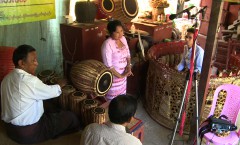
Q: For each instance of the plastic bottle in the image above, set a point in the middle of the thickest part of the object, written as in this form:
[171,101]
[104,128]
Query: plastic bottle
[133,29]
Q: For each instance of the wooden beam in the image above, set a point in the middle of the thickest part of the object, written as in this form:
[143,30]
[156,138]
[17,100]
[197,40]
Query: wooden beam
[207,61]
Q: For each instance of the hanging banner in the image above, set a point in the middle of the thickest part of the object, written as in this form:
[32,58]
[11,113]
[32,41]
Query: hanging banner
[22,11]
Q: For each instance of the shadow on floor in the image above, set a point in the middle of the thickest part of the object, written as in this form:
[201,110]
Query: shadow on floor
[155,134]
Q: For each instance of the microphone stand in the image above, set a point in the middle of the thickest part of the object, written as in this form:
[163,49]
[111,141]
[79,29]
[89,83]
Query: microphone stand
[187,88]
[173,16]
[189,14]
[197,114]
[188,79]
[180,110]
[202,11]
[195,25]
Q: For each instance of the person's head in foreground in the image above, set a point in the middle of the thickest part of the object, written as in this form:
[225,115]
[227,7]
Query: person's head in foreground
[122,109]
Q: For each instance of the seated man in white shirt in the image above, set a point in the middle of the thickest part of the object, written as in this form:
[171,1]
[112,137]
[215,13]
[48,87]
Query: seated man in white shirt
[199,54]
[22,95]
[121,111]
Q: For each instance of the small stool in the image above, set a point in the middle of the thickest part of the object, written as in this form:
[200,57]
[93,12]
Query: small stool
[136,128]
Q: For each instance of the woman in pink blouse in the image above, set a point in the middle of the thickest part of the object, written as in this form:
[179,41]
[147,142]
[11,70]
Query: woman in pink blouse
[116,57]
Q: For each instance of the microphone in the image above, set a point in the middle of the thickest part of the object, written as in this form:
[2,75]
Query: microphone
[187,10]
[195,25]
[203,11]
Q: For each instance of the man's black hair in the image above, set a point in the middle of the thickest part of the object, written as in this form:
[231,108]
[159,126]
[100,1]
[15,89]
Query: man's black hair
[122,109]
[21,52]
[191,30]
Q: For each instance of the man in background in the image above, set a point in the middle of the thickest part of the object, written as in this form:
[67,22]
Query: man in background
[199,53]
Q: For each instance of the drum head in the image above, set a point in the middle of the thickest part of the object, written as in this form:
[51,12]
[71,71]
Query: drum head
[89,102]
[54,80]
[107,6]
[78,93]
[99,110]
[130,8]
[67,87]
[104,83]
[46,73]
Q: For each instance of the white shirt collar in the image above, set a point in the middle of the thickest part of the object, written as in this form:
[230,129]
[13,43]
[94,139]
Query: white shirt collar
[116,126]
[21,71]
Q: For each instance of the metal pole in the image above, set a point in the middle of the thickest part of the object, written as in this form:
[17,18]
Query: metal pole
[180,110]
[197,117]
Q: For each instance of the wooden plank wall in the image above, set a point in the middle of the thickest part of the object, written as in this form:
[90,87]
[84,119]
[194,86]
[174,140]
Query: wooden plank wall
[205,22]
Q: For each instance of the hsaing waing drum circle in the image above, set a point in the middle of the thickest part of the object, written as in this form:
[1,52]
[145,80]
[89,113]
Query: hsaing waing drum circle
[98,115]
[123,10]
[86,110]
[54,80]
[46,75]
[76,99]
[91,77]
[64,97]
